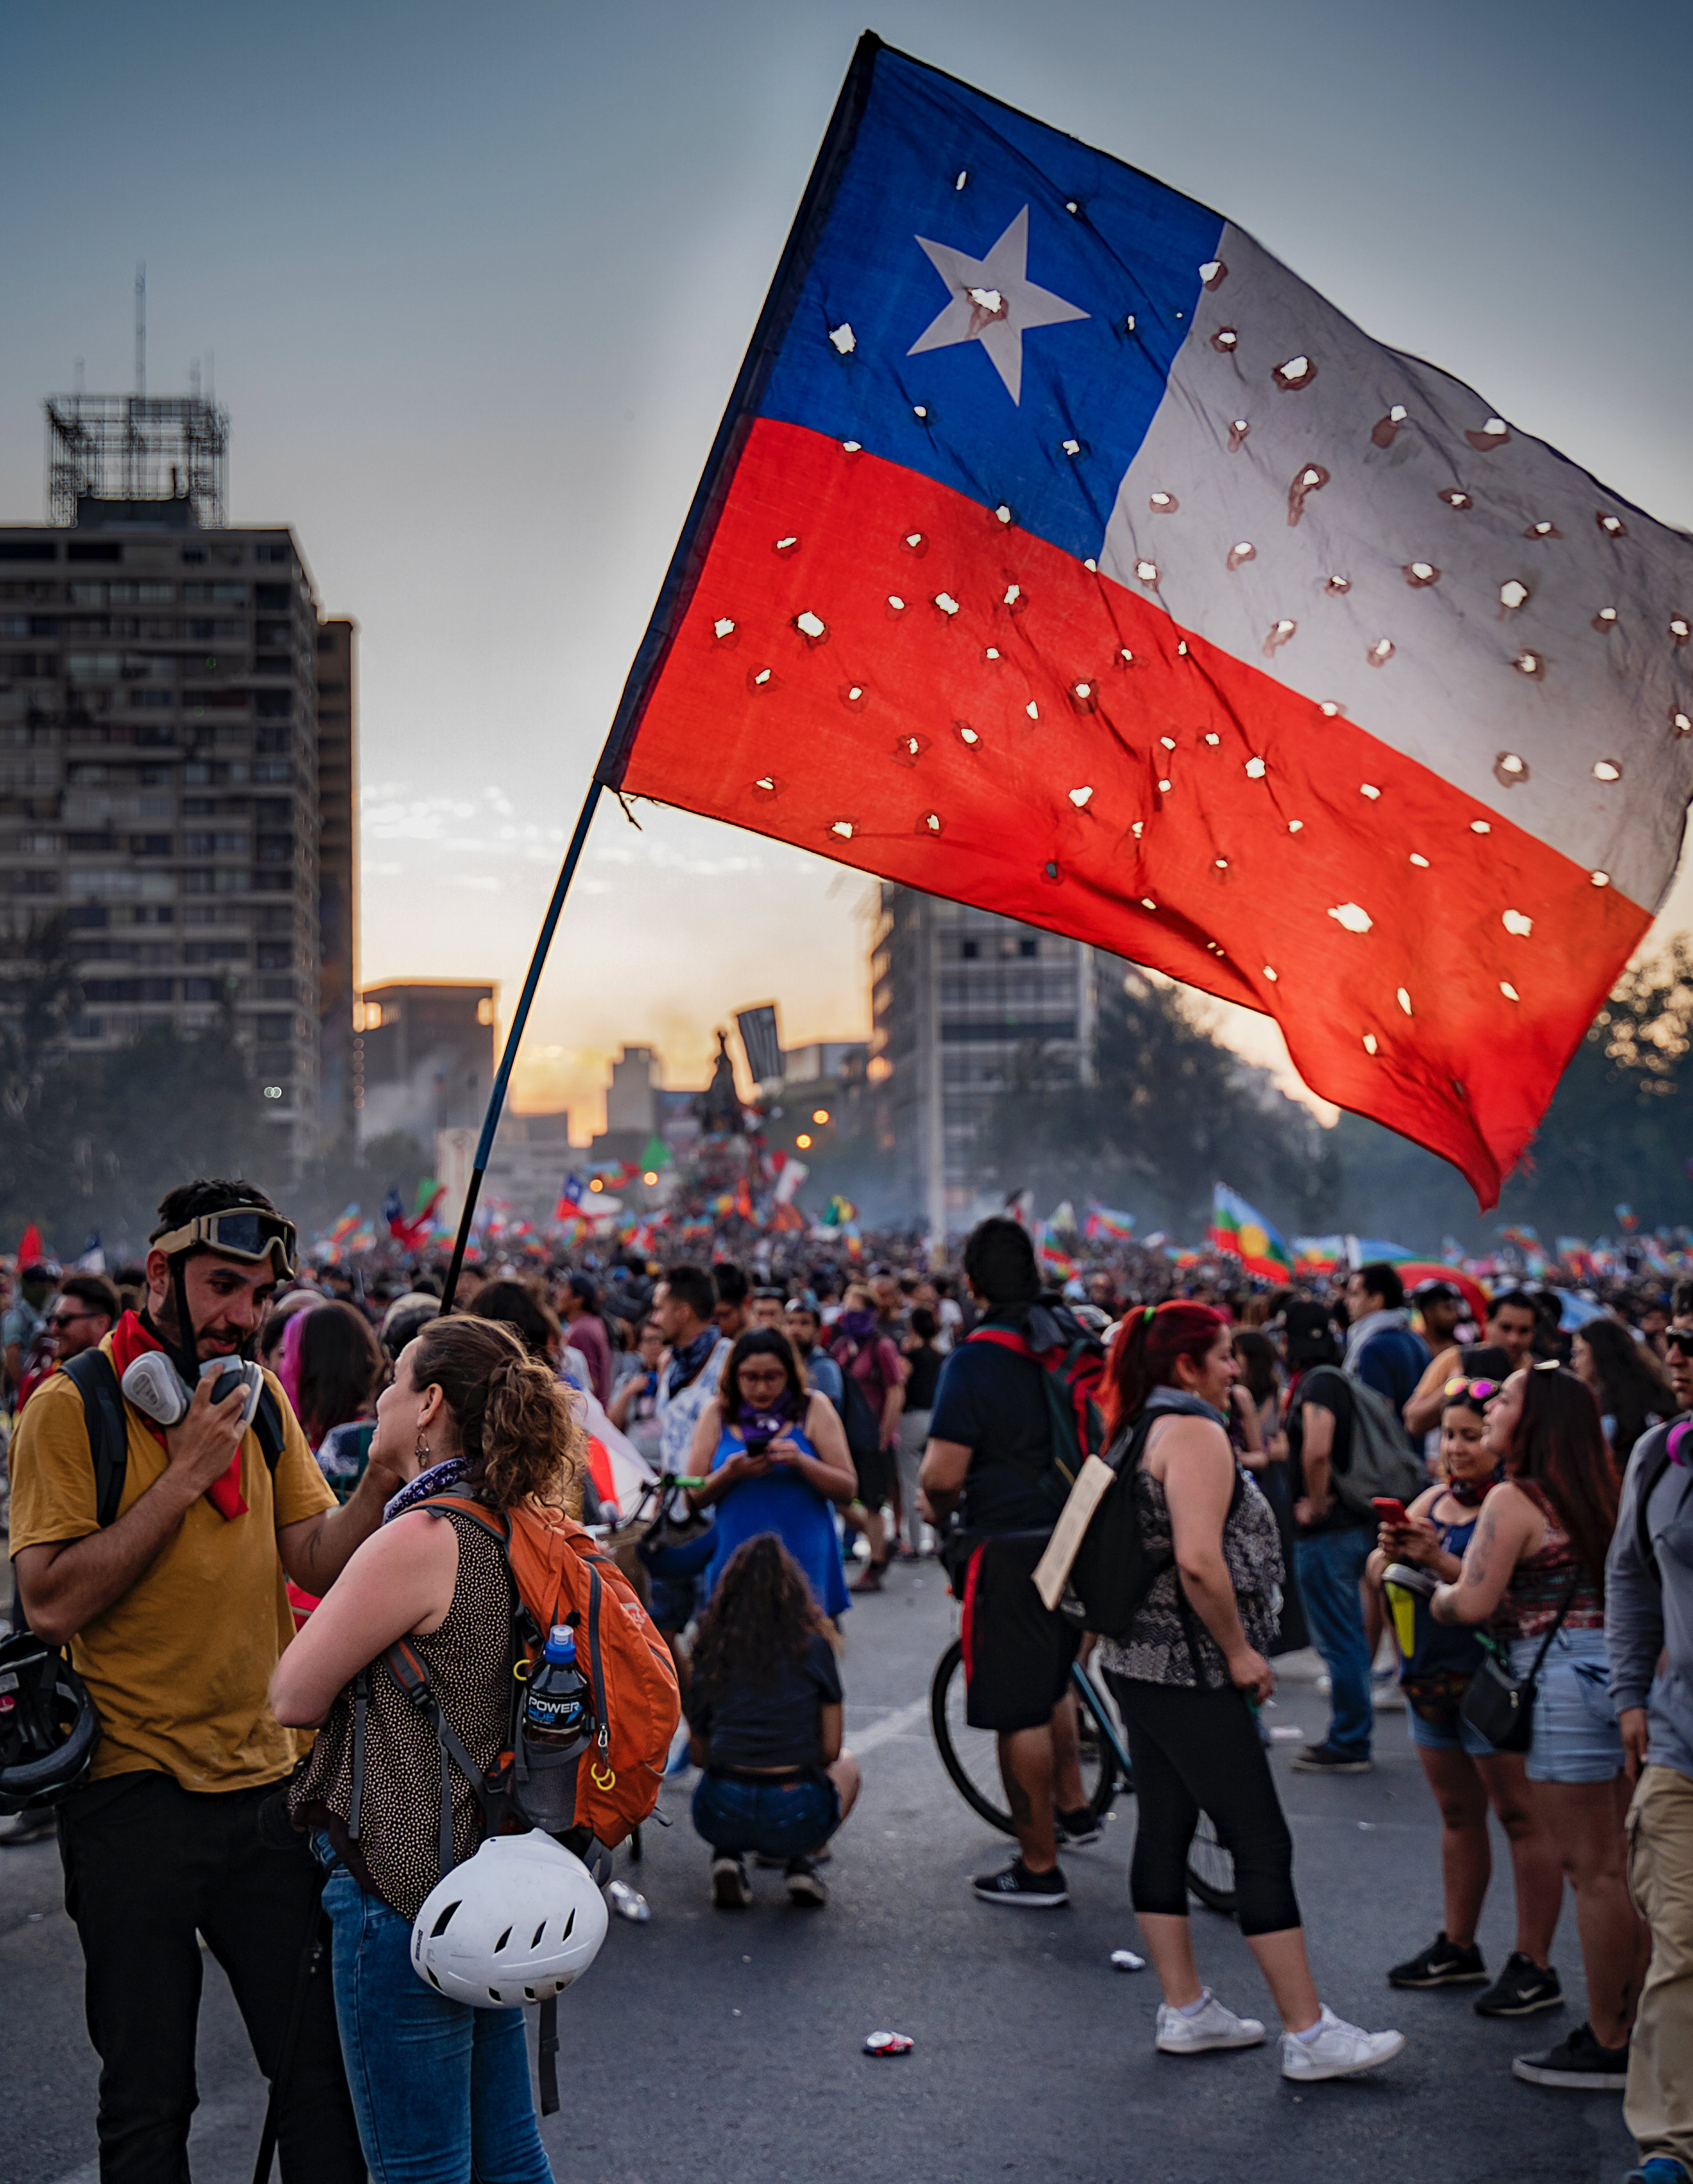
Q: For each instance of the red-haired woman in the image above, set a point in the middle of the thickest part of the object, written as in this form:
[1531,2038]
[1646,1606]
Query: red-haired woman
[1535,1570]
[1188,1674]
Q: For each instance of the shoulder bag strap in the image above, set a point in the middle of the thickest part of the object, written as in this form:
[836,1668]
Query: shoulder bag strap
[96,1380]
[1556,1625]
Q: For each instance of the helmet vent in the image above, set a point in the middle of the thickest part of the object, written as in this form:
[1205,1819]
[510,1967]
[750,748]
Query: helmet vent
[535,1938]
[443,1922]
[530,1995]
[494,1995]
[569,1923]
[502,1941]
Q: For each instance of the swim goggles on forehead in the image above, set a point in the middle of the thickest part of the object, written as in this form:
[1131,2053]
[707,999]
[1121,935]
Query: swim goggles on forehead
[241,1231]
[1476,1391]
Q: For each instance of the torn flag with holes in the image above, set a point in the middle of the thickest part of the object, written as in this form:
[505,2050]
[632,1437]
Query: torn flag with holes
[1064,554]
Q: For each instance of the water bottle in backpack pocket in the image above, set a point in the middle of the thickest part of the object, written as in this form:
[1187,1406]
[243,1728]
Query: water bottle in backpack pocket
[555,1728]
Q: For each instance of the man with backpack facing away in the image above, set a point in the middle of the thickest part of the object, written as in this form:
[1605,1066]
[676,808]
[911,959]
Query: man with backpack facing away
[991,1457]
[1345,1442]
[1648,1638]
[158,1555]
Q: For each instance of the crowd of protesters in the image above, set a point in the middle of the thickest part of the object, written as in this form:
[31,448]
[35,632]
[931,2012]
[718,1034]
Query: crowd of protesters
[805,1419]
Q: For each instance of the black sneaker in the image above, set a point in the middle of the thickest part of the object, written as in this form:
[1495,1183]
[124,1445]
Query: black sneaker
[1078,1827]
[1021,1890]
[1442,1964]
[730,1890]
[1521,1990]
[804,1883]
[1324,1759]
[1578,2063]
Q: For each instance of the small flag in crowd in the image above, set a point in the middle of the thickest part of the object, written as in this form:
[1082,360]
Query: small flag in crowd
[1063,553]
[1105,1225]
[1242,1231]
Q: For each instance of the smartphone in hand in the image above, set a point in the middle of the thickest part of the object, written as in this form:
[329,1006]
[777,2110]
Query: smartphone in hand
[1390,1510]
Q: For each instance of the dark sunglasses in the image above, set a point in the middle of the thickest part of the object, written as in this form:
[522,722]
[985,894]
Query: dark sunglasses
[1679,1339]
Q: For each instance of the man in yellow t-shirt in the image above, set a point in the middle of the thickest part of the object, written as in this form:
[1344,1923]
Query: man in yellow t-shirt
[175,1614]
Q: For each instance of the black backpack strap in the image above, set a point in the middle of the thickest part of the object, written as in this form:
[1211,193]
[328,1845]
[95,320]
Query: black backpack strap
[547,2055]
[267,1424]
[1647,1484]
[109,1434]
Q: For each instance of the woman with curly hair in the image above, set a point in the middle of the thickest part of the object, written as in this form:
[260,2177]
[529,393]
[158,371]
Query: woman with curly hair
[765,1723]
[440,2091]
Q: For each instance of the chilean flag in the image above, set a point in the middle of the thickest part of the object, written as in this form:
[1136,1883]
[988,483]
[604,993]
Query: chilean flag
[1062,552]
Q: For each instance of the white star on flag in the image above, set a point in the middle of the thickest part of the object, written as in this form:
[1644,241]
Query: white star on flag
[994,302]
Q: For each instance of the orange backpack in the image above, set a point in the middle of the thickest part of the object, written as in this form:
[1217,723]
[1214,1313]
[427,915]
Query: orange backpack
[560,1575]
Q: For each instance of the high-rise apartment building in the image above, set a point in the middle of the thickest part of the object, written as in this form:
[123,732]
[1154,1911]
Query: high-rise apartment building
[960,998]
[159,748]
[337,874]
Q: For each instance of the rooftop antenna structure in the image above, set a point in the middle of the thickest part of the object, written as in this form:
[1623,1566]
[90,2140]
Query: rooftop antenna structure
[136,455]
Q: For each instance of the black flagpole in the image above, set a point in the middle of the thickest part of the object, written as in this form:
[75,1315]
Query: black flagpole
[502,1076]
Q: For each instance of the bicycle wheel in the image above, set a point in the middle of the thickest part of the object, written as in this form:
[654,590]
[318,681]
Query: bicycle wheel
[1210,1870]
[971,1756]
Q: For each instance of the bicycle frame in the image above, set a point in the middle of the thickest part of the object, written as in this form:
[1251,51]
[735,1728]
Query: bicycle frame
[1096,1706]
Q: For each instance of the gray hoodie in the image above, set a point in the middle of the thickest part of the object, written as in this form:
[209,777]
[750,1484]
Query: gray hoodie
[1649,1605]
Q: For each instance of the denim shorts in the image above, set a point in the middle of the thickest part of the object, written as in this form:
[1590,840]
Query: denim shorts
[1576,1737]
[777,1819]
[1451,1733]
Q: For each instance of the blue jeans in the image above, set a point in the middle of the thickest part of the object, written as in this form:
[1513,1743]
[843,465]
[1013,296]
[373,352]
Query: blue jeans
[777,1820]
[440,2091]
[1329,1566]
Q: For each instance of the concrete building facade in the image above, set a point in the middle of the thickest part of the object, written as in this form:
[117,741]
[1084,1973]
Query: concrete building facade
[961,999]
[423,1057]
[167,784]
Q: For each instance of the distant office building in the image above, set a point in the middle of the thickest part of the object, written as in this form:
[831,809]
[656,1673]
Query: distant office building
[960,998]
[531,1158]
[423,1058]
[636,1107]
[835,1061]
[159,762]
[337,874]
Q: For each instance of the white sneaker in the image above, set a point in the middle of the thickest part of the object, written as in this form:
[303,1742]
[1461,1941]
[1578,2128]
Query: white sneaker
[1212,2026]
[1338,2051]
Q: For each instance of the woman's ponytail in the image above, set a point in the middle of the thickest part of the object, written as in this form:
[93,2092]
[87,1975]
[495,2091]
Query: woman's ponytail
[1143,1357]
[516,1420]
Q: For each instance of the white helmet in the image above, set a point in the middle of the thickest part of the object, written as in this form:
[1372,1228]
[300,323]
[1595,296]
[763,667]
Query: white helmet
[516,1923]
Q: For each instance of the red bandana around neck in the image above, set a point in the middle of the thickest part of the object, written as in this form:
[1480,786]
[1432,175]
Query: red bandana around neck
[129,1341]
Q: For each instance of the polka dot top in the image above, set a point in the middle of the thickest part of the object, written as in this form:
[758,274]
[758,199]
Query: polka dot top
[398,1854]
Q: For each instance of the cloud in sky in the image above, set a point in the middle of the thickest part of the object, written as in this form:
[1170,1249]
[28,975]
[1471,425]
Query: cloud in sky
[478,283]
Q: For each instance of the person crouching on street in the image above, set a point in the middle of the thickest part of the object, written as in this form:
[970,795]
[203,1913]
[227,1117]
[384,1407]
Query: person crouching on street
[765,1715]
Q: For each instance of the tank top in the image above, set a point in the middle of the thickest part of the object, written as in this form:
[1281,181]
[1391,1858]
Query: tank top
[398,1854]
[1540,1582]
[1168,1642]
[1431,1651]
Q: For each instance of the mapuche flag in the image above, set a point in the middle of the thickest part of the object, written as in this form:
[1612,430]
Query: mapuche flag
[1242,1231]
[1064,554]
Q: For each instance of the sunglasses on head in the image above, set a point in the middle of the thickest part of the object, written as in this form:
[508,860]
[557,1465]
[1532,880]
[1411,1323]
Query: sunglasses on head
[1475,1391]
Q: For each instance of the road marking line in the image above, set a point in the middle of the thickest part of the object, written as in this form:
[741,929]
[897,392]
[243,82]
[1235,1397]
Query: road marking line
[891,1725]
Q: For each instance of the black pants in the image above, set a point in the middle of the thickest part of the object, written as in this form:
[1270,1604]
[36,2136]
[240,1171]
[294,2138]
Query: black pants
[1199,1752]
[146,1861]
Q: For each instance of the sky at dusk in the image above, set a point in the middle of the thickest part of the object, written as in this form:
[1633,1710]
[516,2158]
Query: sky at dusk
[478,282]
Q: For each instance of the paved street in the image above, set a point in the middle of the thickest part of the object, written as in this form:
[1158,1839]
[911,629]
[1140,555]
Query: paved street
[711,2048]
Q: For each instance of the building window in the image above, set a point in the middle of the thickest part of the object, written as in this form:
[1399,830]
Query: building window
[275,1029]
[970,949]
[1028,948]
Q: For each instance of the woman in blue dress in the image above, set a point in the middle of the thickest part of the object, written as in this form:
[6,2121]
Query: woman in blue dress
[774,1458]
